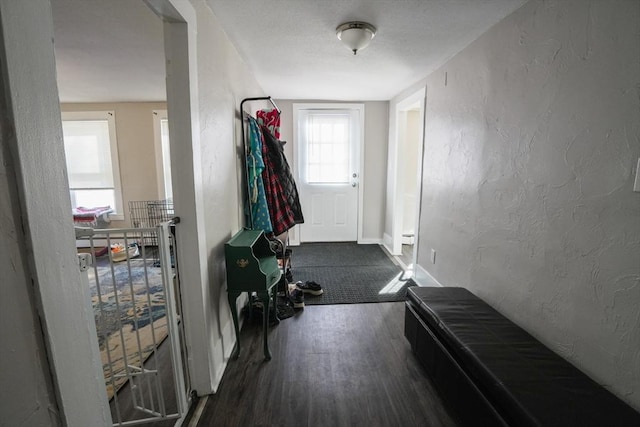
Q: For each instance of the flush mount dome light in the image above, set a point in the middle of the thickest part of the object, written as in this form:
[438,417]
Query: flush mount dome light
[356,35]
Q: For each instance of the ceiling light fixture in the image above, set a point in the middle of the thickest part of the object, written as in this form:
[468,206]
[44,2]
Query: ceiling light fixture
[356,35]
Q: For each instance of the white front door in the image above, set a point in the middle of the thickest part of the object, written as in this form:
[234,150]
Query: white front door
[328,142]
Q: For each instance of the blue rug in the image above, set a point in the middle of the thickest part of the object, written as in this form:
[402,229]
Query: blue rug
[130,314]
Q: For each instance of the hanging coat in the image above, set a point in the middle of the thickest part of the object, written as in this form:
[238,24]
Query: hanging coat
[255,167]
[282,193]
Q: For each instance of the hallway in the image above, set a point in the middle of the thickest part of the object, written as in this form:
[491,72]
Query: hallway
[333,365]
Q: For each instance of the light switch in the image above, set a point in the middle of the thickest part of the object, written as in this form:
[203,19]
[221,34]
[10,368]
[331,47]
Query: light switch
[636,184]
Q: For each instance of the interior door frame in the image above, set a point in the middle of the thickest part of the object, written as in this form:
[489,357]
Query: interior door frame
[295,237]
[396,201]
[180,45]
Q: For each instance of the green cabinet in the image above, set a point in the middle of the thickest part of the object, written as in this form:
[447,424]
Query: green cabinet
[251,267]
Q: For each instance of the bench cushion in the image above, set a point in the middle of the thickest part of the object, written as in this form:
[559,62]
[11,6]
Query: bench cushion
[525,381]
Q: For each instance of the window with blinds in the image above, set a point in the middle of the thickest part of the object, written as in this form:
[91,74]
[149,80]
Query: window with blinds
[92,159]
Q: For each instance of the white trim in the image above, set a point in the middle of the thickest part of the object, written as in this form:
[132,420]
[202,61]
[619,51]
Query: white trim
[158,116]
[361,177]
[294,234]
[110,117]
[423,278]
[180,41]
[416,235]
[197,413]
[370,241]
[387,242]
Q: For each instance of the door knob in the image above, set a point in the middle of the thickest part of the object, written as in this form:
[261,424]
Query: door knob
[354,184]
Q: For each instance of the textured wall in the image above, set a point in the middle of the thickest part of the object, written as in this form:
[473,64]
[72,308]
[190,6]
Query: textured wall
[532,137]
[376,129]
[223,81]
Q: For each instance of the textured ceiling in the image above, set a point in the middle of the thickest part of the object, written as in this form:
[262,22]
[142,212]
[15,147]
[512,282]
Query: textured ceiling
[112,50]
[292,48]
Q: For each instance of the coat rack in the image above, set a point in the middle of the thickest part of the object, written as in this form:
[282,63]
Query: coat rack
[245,150]
[251,262]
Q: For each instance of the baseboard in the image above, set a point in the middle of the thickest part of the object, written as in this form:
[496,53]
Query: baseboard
[197,412]
[229,336]
[369,241]
[218,375]
[423,278]
[387,242]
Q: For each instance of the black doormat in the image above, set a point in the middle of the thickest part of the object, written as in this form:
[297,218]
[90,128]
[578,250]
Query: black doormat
[348,273]
[338,255]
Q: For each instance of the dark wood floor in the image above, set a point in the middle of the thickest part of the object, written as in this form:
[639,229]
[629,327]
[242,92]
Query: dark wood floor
[333,365]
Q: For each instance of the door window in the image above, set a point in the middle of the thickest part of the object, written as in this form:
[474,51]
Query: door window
[327,160]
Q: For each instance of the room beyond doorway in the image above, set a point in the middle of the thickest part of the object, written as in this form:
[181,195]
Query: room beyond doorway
[405,171]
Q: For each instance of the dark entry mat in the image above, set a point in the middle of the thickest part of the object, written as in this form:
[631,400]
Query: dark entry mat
[348,273]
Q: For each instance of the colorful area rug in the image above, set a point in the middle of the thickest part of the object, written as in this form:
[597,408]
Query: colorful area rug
[129,307]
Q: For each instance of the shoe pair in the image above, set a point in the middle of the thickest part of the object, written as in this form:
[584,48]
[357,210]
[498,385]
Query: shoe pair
[310,287]
[298,289]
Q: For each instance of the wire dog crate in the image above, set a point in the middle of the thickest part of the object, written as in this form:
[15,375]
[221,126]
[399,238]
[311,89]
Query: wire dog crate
[150,213]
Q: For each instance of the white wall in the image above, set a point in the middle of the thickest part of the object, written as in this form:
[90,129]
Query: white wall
[223,81]
[376,130]
[532,137]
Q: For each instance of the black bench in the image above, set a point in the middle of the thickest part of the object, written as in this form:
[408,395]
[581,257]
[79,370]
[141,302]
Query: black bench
[491,372]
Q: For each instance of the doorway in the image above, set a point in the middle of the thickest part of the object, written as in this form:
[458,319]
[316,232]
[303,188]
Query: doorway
[134,288]
[176,21]
[407,175]
[329,142]
[411,131]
